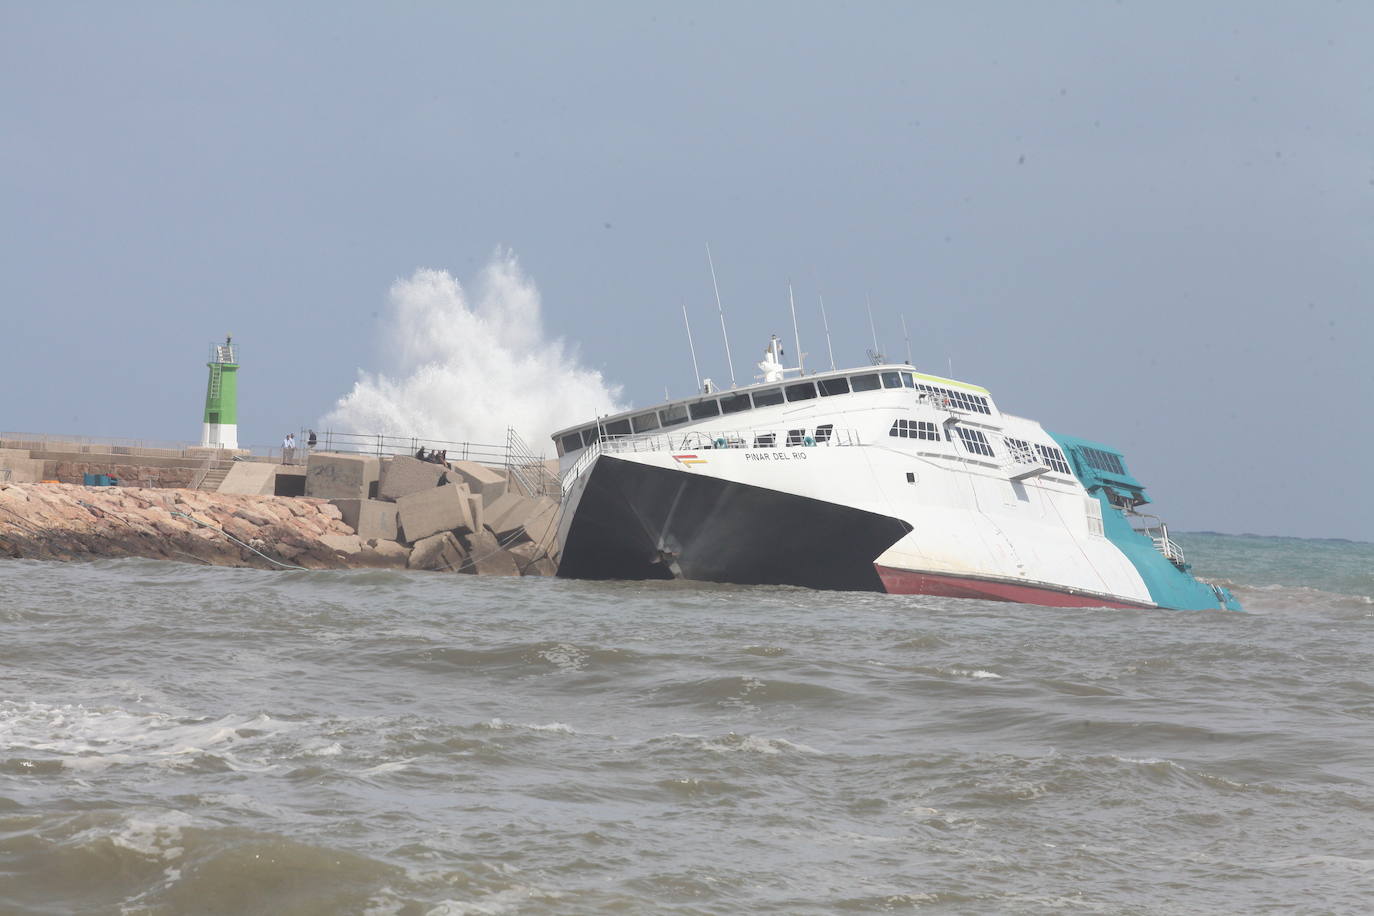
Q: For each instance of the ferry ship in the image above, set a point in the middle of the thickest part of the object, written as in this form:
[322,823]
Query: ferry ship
[880,478]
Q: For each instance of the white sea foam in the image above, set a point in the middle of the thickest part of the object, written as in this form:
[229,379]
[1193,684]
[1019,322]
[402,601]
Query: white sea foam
[464,365]
[93,738]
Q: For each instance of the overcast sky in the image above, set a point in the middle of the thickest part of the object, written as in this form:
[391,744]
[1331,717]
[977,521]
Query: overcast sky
[1144,223]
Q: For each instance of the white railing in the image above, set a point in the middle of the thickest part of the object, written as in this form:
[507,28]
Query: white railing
[1158,533]
[589,454]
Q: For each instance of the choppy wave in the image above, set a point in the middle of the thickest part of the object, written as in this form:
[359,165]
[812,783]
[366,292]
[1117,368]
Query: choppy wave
[177,739]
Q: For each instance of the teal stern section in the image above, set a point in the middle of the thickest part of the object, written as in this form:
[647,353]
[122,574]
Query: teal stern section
[1102,471]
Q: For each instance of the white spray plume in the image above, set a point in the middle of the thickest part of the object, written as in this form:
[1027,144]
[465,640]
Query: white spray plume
[466,368]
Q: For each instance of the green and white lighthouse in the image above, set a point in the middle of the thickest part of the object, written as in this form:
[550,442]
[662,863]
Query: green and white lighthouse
[221,426]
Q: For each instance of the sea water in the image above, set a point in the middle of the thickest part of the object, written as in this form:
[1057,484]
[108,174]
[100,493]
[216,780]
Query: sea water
[179,739]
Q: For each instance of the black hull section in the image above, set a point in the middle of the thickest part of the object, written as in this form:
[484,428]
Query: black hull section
[641,522]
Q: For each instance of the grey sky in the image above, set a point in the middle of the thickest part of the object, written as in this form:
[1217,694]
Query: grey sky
[1144,223]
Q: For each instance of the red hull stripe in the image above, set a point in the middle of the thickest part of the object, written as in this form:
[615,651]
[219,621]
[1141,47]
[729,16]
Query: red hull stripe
[906,582]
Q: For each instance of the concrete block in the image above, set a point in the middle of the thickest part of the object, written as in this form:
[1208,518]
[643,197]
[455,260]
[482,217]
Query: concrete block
[346,544]
[250,478]
[369,518]
[385,555]
[21,470]
[531,561]
[391,553]
[404,475]
[431,511]
[534,516]
[487,558]
[440,551]
[541,526]
[333,475]
[495,512]
[478,513]
[482,480]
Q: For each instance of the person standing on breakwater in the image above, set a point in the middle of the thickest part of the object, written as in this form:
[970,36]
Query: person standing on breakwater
[311,441]
[288,449]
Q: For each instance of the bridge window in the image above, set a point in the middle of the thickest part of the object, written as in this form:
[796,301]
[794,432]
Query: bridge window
[892,380]
[1102,461]
[735,403]
[768,398]
[617,428]
[915,429]
[703,409]
[571,442]
[672,416]
[1053,457]
[974,441]
[908,381]
[803,392]
[833,386]
[645,422]
[865,382]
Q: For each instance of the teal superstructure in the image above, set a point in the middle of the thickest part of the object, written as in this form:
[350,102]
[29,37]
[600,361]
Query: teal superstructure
[1102,471]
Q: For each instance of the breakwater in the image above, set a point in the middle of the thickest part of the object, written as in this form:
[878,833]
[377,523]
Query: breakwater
[357,512]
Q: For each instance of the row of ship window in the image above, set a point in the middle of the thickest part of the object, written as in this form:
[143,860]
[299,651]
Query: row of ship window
[976,443]
[800,391]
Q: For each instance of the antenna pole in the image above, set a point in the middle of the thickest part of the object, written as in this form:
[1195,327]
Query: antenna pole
[825,321]
[877,356]
[693,347]
[721,309]
[905,335]
[801,370]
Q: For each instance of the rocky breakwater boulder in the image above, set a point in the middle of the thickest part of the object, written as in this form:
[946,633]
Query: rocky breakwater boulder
[67,522]
[458,517]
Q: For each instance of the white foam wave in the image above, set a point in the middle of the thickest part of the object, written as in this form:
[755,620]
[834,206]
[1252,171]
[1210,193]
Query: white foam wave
[93,738]
[975,673]
[463,367]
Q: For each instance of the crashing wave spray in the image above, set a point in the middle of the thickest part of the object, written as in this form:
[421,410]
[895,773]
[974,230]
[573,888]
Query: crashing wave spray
[466,368]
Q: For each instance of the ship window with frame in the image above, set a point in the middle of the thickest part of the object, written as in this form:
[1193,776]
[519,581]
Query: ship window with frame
[892,379]
[804,391]
[735,403]
[645,422]
[768,398]
[908,381]
[915,429]
[960,399]
[589,435]
[617,428]
[767,440]
[1054,458]
[867,382]
[672,416]
[974,441]
[833,386]
[796,436]
[1102,461]
[703,409]
[824,432]
[571,442]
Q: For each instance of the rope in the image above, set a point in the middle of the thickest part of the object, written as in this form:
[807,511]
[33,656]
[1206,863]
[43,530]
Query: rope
[240,543]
